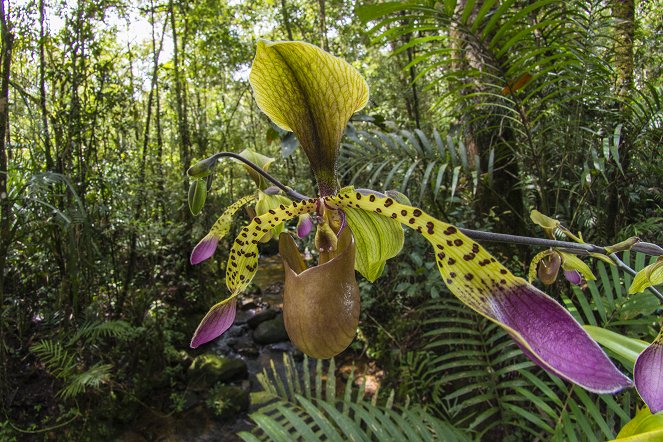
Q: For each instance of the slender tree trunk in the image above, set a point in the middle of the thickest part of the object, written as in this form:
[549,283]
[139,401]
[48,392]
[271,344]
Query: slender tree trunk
[322,16]
[42,86]
[286,19]
[180,104]
[624,13]
[413,86]
[6,214]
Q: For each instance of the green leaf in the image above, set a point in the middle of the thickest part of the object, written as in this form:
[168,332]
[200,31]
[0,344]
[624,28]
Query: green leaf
[647,277]
[310,92]
[626,347]
[639,304]
[377,239]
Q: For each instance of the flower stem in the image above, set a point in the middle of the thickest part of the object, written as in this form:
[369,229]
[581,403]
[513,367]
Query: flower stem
[288,191]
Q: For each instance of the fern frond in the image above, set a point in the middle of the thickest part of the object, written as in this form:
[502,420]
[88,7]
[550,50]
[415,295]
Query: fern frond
[59,361]
[94,377]
[92,331]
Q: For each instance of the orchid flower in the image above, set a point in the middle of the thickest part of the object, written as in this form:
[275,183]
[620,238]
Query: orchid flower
[303,89]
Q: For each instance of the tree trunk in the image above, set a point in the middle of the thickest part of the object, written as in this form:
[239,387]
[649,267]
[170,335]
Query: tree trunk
[322,16]
[6,214]
[42,87]
[624,13]
[286,20]
[505,193]
[133,253]
[180,103]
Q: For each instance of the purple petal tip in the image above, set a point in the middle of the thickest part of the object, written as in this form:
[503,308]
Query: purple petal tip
[204,249]
[550,336]
[216,321]
[648,375]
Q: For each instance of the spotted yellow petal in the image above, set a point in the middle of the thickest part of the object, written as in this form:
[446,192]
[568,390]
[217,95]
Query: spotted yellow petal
[310,92]
[243,258]
[541,327]
[207,246]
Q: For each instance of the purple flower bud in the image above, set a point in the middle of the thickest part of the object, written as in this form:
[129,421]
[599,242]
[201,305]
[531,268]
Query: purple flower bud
[573,276]
[304,226]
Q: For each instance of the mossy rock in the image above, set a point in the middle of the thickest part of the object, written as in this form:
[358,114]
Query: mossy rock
[226,401]
[208,369]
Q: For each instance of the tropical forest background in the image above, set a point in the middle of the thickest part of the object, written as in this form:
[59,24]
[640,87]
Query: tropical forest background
[480,111]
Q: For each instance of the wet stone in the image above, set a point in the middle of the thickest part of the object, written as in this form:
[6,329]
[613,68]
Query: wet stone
[242,316]
[281,346]
[245,346]
[261,317]
[270,332]
[248,305]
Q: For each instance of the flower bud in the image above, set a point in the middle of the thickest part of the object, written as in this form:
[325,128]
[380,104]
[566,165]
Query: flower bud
[202,168]
[304,225]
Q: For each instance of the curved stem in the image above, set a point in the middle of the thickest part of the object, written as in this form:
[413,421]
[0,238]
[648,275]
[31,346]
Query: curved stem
[529,241]
[288,191]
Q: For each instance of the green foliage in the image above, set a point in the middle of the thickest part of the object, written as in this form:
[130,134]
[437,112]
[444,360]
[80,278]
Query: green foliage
[533,86]
[413,164]
[95,272]
[309,409]
[66,361]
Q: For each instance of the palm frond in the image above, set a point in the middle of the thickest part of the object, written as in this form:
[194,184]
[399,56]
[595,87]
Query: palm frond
[425,168]
[302,408]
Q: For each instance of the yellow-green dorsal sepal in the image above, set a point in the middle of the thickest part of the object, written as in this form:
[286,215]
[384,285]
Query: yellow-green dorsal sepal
[310,92]
[243,258]
[377,239]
